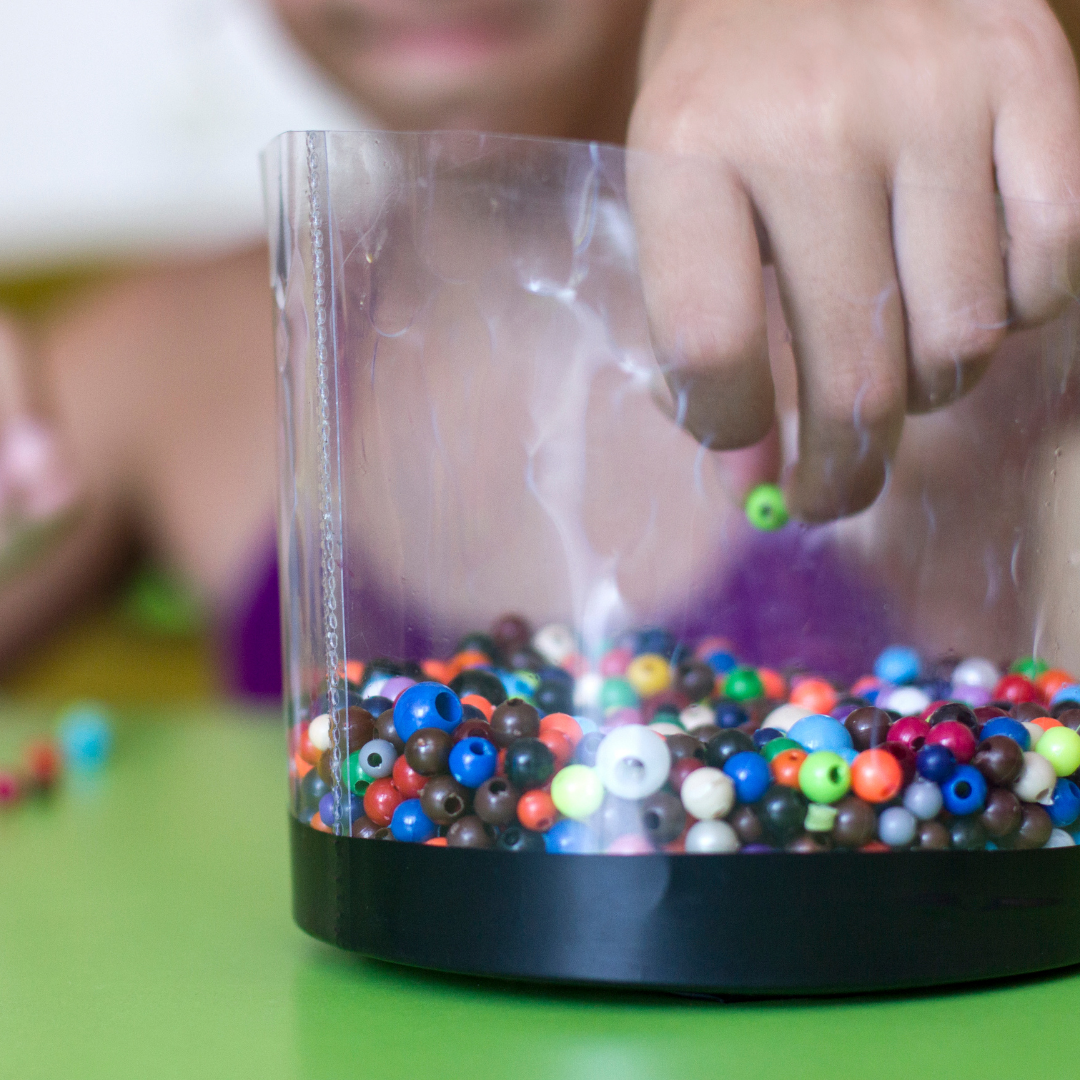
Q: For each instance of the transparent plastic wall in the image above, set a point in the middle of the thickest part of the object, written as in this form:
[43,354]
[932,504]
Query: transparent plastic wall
[475,424]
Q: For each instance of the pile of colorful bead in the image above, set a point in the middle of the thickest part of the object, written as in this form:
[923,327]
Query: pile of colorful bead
[518,743]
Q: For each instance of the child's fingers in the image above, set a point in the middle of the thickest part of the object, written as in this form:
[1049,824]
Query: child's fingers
[832,248]
[701,273]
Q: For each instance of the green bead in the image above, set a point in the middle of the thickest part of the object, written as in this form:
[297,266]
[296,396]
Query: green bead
[1061,747]
[577,791]
[766,508]
[824,777]
[778,746]
[1030,667]
[352,776]
[742,684]
[819,818]
[617,693]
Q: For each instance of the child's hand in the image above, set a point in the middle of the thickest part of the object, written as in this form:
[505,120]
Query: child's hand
[36,485]
[866,138]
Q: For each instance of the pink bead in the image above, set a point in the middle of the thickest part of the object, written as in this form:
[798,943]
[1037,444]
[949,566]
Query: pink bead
[975,696]
[620,717]
[615,662]
[395,687]
[10,788]
[630,844]
[911,731]
[867,682]
[576,665]
[708,646]
[956,737]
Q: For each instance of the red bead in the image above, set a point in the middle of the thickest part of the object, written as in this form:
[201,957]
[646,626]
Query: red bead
[905,755]
[558,744]
[875,845]
[381,800]
[406,779]
[43,764]
[680,770]
[536,811]
[1017,688]
[956,737]
[473,729]
[911,731]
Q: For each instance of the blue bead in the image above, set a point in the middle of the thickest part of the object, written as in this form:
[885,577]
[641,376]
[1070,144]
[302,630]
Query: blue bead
[820,733]
[377,704]
[750,773]
[721,662]
[410,823]
[898,664]
[730,714]
[427,704]
[473,761]
[1065,808]
[569,837]
[655,640]
[1006,725]
[517,685]
[870,695]
[1066,693]
[848,753]
[965,791]
[937,689]
[587,724]
[352,807]
[765,735]
[85,735]
[936,763]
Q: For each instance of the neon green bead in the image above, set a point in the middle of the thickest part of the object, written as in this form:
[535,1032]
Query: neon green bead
[1061,747]
[352,776]
[617,693]
[1030,667]
[824,777]
[649,674]
[766,508]
[577,791]
[778,746]
[742,684]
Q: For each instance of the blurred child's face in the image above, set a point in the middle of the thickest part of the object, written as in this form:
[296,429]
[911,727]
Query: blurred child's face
[544,67]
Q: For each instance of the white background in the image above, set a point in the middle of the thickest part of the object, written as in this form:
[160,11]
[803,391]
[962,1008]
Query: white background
[133,126]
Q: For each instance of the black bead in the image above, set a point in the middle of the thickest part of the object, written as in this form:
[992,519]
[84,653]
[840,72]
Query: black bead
[554,695]
[529,764]
[782,811]
[482,643]
[312,788]
[520,840]
[726,745]
[479,681]
[663,817]
[967,833]
[954,710]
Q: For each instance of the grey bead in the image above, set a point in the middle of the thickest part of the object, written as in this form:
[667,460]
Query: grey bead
[923,799]
[896,826]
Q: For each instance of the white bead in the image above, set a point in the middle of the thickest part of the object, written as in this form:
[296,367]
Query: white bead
[665,727]
[1036,780]
[906,700]
[976,671]
[782,718]
[707,793]
[711,838]
[1058,838]
[923,799]
[374,688]
[318,732]
[587,690]
[1034,731]
[697,716]
[896,826]
[633,761]
[554,642]
[377,758]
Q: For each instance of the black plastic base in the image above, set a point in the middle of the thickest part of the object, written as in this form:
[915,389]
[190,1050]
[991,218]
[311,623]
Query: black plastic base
[744,924]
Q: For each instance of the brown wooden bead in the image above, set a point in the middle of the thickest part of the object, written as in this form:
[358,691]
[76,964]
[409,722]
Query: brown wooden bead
[428,751]
[360,724]
[956,711]
[444,800]
[511,632]
[932,836]
[680,770]
[683,746]
[326,767]
[694,679]
[855,824]
[1027,710]
[470,832]
[706,732]
[999,759]
[495,802]
[1069,717]
[514,719]
[809,844]
[473,729]
[363,828]
[1002,814]
[868,727]
[747,825]
[384,729]
[1035,829]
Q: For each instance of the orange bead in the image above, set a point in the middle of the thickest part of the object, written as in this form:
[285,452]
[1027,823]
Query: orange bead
[302,767]
[773,682]
[575,664]
[1046,722]
[437,670]
[480,703]
[817,695]
[875,845]
[436,841]
[470,658]
[876,776]
[354,671]
[558,744]
[317,823]
[785,767]
[536,811]
[1050,682]
[560,721]
[865,683]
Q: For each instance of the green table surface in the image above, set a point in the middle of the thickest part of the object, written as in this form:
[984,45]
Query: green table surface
[145,932]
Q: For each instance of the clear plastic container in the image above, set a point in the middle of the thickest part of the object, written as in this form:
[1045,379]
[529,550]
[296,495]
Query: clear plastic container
[475,425]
